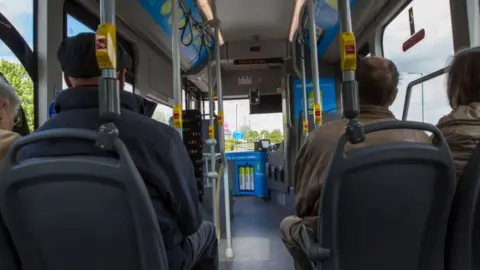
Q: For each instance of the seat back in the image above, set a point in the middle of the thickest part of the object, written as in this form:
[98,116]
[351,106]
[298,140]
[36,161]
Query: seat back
[386,206]
[463,237]
[79,212]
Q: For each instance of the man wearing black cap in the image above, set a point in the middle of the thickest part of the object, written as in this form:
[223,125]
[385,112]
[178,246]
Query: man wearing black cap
[156,149]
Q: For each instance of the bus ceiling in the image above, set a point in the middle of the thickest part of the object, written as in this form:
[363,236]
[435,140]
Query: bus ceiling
[250,29]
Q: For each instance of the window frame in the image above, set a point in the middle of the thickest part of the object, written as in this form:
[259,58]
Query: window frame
[90,20]
[384,27]
[28,57]
[396,14]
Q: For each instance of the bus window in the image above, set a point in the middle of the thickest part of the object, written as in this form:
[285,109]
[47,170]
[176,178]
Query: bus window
[75,27]
[243,129]
[16,52]
[429,101]
[128,87]
[162,113]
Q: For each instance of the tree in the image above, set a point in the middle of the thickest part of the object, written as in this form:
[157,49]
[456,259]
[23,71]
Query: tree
[275,136]
[19,79]
[251,135]
[264,134]
[229,144]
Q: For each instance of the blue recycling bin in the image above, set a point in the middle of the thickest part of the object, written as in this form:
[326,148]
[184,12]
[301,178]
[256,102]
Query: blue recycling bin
[249,173]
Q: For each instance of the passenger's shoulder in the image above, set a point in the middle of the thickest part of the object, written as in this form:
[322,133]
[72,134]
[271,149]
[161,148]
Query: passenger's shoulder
[6,139]
[152,127]
[327,133]
[6,136]
[332,128]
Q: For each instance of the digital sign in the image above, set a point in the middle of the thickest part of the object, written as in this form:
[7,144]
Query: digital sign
[258,61]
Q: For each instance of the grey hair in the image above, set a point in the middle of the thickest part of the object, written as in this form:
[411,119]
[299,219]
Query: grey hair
[8,94]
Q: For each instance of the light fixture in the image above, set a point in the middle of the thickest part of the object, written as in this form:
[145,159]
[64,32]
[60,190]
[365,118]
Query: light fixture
[295,18]
[207,10]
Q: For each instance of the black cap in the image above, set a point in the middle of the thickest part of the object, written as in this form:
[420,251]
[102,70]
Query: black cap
[78,59]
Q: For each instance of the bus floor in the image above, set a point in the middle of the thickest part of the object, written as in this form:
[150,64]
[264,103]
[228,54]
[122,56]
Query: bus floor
[256,240]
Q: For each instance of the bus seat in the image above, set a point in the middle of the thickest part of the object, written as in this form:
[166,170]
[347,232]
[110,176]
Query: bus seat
[386,206]
[463,235]
[79,212]
[8,254]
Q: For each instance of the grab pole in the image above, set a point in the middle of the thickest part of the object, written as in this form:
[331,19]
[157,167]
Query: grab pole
[348,65]
[304,83]
[221,132]
[106,34]
[177,80]
[314,60]
[212,172]
[348,61]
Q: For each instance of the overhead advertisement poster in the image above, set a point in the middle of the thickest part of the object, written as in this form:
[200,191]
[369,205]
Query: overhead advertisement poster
[161,13]
[327,90]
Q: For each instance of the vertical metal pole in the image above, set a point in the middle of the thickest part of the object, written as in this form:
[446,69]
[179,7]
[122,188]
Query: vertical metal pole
[221,133]
[351,104]
[314,59]
[109,92]
[423,105]
[304,87]
[177,80]
[346,26]
[236,117]
[473,14]
[212,174]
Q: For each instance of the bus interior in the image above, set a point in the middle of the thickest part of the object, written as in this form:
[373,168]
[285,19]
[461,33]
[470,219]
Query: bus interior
[281,62]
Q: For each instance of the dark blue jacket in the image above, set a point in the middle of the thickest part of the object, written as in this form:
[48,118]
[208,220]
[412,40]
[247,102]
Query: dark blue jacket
[156,149]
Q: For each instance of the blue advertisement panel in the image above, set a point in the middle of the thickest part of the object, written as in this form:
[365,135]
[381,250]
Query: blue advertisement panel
[327,91]
[326,17]
[160,10]
[249,171]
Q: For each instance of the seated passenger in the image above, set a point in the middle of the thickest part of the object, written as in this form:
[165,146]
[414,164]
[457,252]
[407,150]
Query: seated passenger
[461,127]
[157,150]
[9,107]
[377,82]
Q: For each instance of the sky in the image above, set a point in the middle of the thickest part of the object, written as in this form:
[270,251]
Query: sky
[427,56]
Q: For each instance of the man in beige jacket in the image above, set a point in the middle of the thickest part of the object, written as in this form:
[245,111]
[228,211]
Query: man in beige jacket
[9,107]
[377,83]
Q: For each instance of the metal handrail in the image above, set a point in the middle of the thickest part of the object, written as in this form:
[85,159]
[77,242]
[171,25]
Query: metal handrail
[420,80]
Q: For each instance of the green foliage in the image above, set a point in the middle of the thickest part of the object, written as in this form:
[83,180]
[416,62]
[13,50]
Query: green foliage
[275,136]
[264,134]
[18,77]
[229,144]
[251,135]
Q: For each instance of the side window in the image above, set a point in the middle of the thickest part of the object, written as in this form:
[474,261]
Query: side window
[429,100]
[16,52]
[128,87]
[162,113]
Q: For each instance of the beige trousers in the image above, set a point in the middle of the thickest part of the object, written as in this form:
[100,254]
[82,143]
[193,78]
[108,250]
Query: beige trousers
[291,228]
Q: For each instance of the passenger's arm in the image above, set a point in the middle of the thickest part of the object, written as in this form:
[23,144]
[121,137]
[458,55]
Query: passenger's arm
[183,186]
[310,166]
[6,140]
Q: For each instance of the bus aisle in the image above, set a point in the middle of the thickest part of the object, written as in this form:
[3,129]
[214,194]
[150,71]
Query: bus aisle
[256,236]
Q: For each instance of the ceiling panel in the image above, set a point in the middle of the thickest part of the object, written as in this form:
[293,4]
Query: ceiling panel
[242,19]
